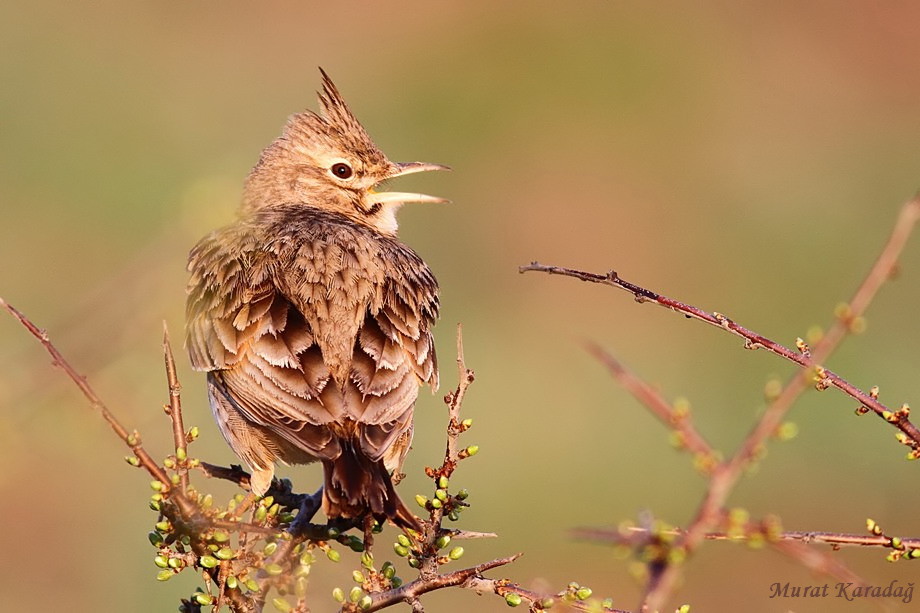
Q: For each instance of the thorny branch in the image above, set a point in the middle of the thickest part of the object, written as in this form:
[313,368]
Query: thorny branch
[725,475]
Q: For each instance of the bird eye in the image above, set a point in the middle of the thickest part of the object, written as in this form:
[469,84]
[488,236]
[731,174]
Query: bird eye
[341,170]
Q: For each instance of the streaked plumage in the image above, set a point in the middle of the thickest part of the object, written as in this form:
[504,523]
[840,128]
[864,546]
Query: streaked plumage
[312,320]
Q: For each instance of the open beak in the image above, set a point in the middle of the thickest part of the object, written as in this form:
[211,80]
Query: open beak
[407,168]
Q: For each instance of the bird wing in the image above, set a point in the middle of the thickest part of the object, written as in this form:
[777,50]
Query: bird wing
[239,324]
[273,321]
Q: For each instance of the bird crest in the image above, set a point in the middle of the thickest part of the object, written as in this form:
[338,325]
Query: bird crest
[335,126]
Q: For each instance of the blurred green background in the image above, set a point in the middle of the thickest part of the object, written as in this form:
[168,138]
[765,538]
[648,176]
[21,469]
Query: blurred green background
[746,157]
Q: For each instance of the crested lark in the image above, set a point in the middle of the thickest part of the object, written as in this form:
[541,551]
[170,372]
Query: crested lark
[312,320]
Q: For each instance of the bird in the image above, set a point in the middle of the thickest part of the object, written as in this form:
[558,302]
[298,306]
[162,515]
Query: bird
[312,320]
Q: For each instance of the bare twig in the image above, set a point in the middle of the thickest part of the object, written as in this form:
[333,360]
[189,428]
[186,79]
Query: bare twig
[174,409]
[803,357]
[690,438]
[131,439]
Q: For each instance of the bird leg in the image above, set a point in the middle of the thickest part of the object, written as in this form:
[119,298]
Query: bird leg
[309,505]
[369,522]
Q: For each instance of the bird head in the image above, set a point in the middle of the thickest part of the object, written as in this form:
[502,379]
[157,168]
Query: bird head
[327,160]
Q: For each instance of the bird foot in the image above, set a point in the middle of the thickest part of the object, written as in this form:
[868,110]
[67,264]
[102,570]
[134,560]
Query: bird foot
[309,505]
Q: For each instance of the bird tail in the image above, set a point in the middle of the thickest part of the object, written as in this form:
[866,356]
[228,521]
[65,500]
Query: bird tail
[356,485]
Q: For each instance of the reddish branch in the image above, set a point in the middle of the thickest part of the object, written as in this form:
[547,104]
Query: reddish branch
[726,474]
[174,410]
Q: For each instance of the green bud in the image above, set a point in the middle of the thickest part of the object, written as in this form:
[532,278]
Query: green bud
[472,450]
[132,460]
[176,563]
[273,569]
[414,562]
[367,560]
[443,482]
[307,558]
[403,540]
[389,571]
[270,548]
[273,510]
[440,494]
[355,594]
[396,582]
[453,516]
[231,582]
[220,536]
[281,604]
[443,541]
[180,454]
[267,501]
[583,593]
[463,494]
[333,555]
[467,423]
[437,504]
[133,439]
[192,434]
[155,538]
[684,608]
[161,561]
[357,576]
[174,479]
[401,551]
[512,599]
[203,599]
[162,526]
[165,575]
[260,514]
[365,603]
[169,463]
[252,585]
[157,486]
[208,561]
[207,501]
[456,553]
[300,587]
[421,500]
[225,553]
[338,594]
[549,603]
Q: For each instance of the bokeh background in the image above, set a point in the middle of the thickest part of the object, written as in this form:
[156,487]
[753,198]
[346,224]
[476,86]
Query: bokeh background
[746,157]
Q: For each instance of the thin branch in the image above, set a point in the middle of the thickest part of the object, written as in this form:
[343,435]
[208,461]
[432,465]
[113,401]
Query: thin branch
[690,438]
[409,592]
[174,409]
[634,535]
[131,439]
[803,357]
